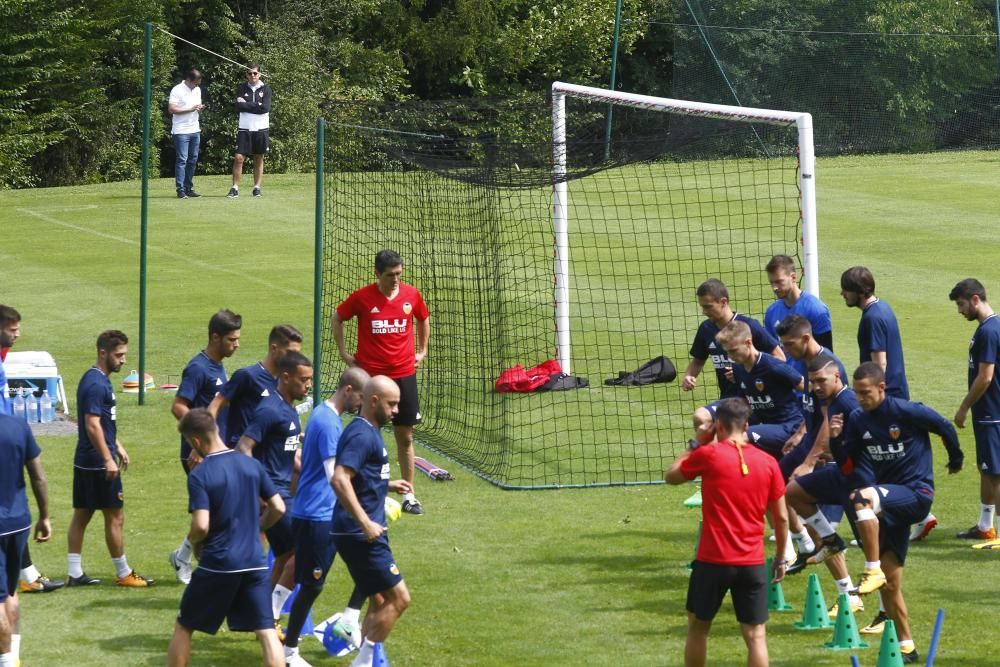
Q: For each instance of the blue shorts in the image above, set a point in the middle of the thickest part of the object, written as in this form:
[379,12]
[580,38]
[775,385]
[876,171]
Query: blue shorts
[11,548]
[279,536]
[370,563]
[828,486]
[902,507]
[92,490]
[987,447]
[241,598]
[771,438]
[793,459]
[313,551]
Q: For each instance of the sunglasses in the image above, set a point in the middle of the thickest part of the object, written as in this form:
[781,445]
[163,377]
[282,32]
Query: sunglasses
[253,73]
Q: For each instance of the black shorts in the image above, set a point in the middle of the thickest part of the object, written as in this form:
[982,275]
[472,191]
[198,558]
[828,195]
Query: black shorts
[747,583]
[12,547]
[242,598]
[279,536]
[371,564]
[92,491]
[409,403]
[251,143]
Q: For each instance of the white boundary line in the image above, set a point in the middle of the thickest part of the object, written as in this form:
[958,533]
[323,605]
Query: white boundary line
[163,251]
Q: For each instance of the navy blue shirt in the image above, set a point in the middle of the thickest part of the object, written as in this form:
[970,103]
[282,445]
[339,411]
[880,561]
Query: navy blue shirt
[706,348]
[769,387]
[362,449]
[244,392]
[202,379]
[18,447]
[230,485]
[844,403]
[985,349]
[892,443]
[810,403]
[95,396]
[276,429]
[878,331]
[808,306]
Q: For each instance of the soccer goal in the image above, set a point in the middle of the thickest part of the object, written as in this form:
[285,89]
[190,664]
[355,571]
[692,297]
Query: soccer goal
[535,233]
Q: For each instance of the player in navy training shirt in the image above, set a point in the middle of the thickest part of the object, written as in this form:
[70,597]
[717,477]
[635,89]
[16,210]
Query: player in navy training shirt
[32,581]
[361,482]
[245,389]
[225,492]
[203,378]
[781,274]
[878,330]
[893,463]
[312,514]
[983,399]
[713,298]
[273,437]
[97,466]
[769,386]
[20,451]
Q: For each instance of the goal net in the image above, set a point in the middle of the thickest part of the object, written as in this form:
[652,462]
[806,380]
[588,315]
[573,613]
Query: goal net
[577,231]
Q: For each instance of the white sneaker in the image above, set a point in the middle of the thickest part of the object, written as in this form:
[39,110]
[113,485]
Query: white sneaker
[182,568]
[347,631]
[295,660]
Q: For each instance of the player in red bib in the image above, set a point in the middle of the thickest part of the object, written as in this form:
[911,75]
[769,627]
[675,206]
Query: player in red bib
[739,483]
[393,330]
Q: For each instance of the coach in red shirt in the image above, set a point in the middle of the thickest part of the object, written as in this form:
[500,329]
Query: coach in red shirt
[389,312]
[739,483]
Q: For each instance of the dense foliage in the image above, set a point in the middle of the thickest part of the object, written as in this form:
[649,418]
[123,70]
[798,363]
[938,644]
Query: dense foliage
[71,71]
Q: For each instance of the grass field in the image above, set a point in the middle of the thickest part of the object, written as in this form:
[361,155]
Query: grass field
[568,577]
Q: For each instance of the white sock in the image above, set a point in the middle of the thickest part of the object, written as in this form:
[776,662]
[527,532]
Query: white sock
[366,654]
[257,185]
[184,551]
[789,554]
[873,564]
[236,187]
[352,615]
[74,565]
[803,541]
[7,660]
[15,646]
[844,585]
[819,523]
[410,497]
[987,515]
[906,645]
[121,566]
[30,574]
[291,651]
[881,605]
[278,597]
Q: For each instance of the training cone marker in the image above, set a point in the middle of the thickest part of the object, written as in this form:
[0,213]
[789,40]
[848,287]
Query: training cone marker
[333,644]
[845,634]
[694,500]
[889,654]
[814,614]
[379,658]
[697,540]
[775,595]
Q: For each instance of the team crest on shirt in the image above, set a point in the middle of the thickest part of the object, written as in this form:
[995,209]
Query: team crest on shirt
[394,569]
[894,432]
[407,307]
[758,385]
[317,573]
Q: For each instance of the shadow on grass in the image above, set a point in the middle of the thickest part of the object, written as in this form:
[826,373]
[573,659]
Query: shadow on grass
[134,602]
[151,649]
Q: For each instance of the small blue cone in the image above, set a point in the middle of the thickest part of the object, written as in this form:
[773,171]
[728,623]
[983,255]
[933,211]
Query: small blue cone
[379,657]
[333,644]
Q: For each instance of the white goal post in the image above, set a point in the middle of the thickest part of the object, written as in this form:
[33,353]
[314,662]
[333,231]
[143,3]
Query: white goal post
[807,181]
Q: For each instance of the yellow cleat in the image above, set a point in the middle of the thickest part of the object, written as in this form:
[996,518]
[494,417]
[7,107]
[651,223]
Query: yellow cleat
[133,580]
[989,545]
[869,582]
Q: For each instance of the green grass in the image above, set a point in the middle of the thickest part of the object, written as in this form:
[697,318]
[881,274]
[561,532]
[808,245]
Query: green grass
[566,577]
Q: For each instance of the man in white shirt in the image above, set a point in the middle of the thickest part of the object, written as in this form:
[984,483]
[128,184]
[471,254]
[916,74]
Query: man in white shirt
[253,101]
[184,104]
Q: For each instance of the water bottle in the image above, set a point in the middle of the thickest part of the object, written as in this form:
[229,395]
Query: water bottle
[31,407]
[19,407]
[305,406]
[46,408]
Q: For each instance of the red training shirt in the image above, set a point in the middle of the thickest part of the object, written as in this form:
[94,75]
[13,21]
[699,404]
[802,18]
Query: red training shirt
[733,504]
[386,342]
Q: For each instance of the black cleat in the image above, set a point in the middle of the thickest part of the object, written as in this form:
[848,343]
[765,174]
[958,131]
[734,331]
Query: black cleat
[413,507]
[82,580]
